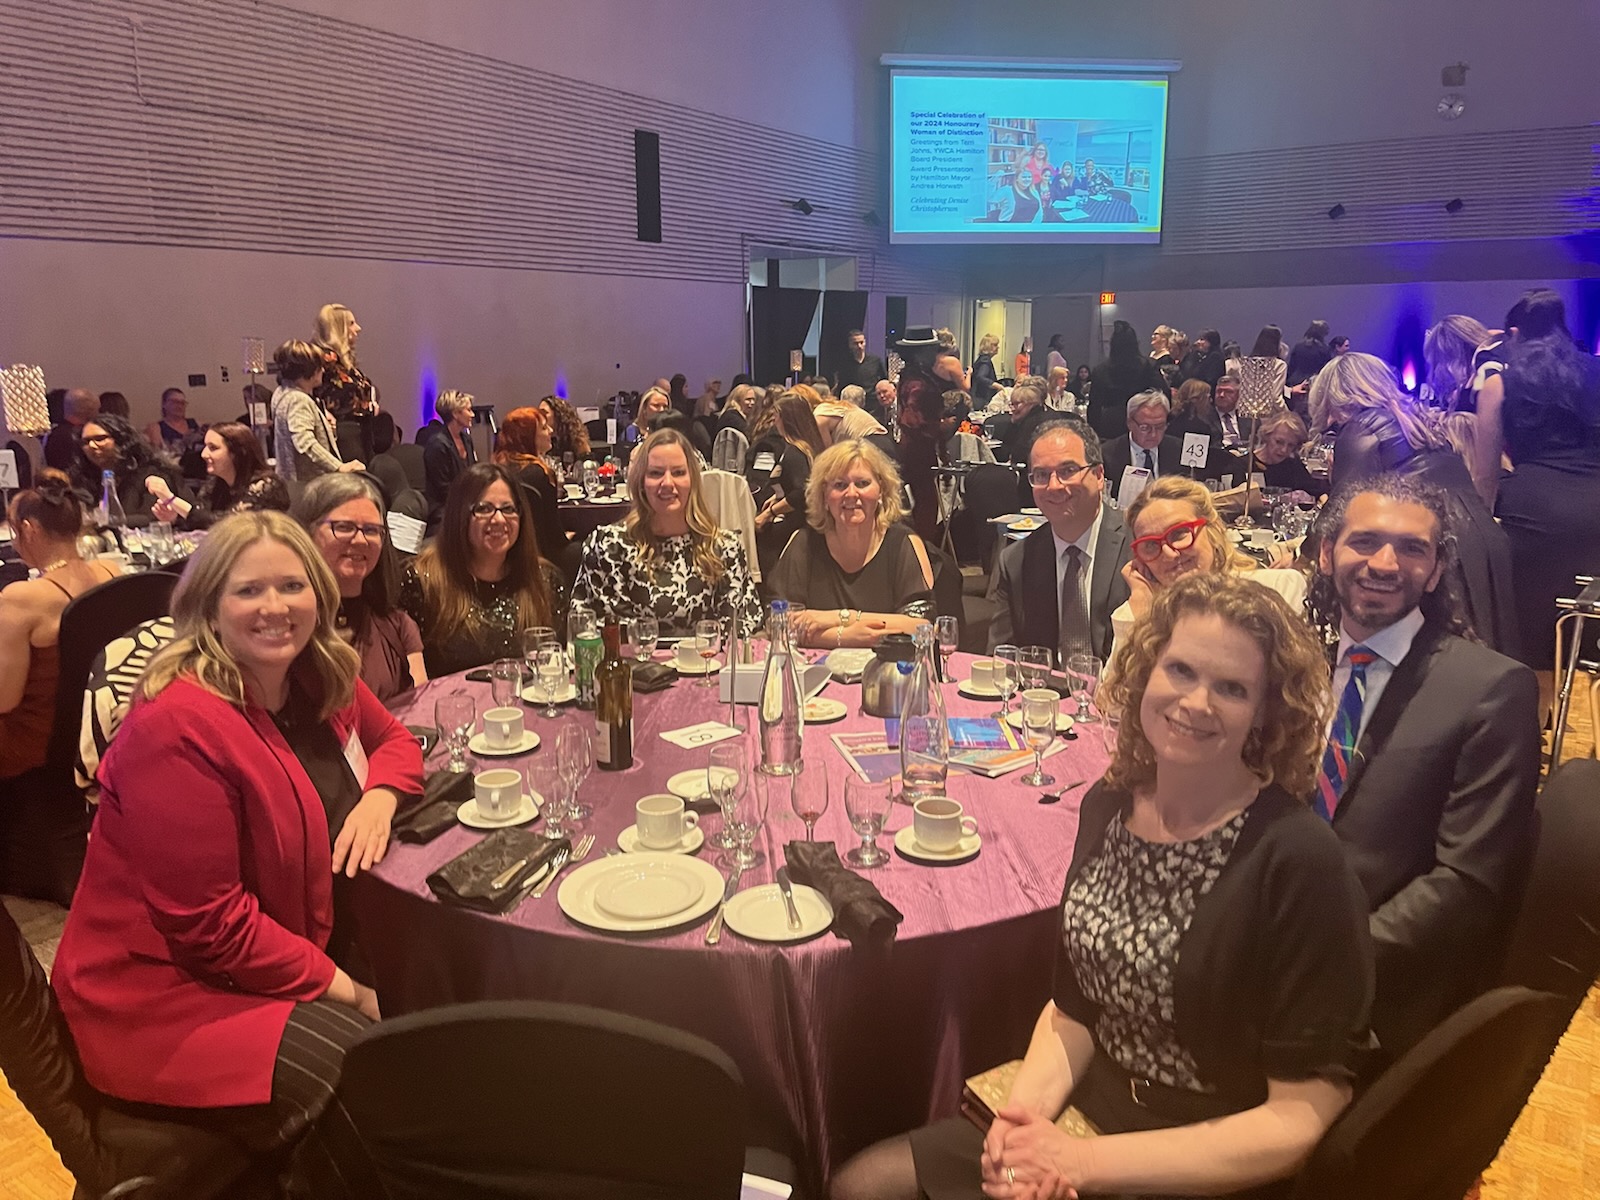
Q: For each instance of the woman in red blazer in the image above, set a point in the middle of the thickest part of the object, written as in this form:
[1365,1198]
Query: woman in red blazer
[194,964]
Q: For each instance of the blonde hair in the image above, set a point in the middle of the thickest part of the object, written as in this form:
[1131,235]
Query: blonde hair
[1284,419]
[1224,558]
[703,528]
[988,344]
[451,402]
[832,464]
[1295,700]
[1354,381]
[333,331]
[197,649]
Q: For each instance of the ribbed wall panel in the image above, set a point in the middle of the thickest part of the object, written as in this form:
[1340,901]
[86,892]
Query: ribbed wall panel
[154,121]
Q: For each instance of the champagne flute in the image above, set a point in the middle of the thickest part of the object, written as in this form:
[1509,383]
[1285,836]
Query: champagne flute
[550,664]
[455,713]
[575,758]
[1084,671]
[505,681]
[707,642]
[948,630]
[867,806]
[746,814]
[809,798]
[544,781]
[727,775]
[1007,674]
[1039,730]
[647,633]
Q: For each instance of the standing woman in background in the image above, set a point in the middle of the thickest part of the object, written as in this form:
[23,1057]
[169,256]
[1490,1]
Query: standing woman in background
[1057,356]
[345,391]
[303,430]
[984,380]
[1023,363]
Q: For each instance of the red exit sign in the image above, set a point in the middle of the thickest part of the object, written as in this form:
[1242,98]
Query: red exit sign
[1108,298]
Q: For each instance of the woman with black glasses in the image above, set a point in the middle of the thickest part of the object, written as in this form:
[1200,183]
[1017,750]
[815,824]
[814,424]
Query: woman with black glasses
[481,583]
[346,519]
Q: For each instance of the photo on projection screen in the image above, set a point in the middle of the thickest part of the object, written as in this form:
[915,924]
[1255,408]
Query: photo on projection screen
[1026,158]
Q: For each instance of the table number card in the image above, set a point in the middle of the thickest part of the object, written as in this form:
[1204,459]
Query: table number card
[1196,446]
[8,470]
[692,737]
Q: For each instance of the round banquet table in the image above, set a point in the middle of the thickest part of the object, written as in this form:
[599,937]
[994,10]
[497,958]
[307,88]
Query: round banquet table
[838,1046]
[583,517]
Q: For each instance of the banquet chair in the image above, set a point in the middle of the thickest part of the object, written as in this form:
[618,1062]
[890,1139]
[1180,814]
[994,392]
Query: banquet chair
[728,451]
[991,491]
[1434,1120]
[108,1151]
[410,457]
[1555,943]
[511,1098]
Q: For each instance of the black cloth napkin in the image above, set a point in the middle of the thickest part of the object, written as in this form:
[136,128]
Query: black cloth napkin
[860,913]
[653,677]
[465,880]
[442,794]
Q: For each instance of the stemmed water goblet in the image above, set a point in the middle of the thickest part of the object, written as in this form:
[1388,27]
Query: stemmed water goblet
[727,775]
[1084,672]
[545,782]
[1007,676]
[1034,662]
[505,681]
[948,631]
[1039,730]
[455,713]
[646,634]
[747,812]
[867,805]
[550,671]
[575,758]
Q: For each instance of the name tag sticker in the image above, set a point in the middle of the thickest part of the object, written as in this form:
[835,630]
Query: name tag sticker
[356,756]
[765,461]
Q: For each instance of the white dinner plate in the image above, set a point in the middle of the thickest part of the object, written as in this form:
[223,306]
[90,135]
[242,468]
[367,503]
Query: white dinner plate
[824,710]
[1025,525]
[646,895]
[906,842]
[691,784]
[847,665]
[1063,722]
[628,842]
[469,815]
[706,666]
[973,691]
[609,500]
[1007,519]
[577,893]
[478,743]
[564,695]
[759,914]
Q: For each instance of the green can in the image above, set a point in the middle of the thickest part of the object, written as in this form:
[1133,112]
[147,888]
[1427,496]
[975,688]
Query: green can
[586,651]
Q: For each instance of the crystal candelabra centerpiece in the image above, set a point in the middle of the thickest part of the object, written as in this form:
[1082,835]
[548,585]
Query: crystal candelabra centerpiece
[22,394]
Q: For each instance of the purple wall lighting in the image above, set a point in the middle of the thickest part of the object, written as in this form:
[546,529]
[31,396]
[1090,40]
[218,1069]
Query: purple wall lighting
[561,385]
[430,392]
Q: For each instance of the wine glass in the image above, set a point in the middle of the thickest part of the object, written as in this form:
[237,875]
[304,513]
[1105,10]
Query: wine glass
[532,638]
[948,631]
[707,643]
[544,781]
[747,812]
[1035,663]
[1110,728]
[1007,675]
[867,806]
[646,632]
[505,681]
[809,798]
[575,757]
[1039,730]
[550,669]
[727,775]
[455,714]
[1084,672]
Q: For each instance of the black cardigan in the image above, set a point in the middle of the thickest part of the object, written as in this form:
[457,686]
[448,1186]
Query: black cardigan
[1275,973]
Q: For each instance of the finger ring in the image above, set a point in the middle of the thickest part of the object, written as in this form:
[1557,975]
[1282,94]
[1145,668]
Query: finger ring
[1011,1175]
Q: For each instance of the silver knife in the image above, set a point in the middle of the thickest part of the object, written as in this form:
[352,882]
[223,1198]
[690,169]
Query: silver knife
[787,889]
[714,934]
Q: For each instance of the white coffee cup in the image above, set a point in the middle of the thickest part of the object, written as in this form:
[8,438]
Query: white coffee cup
[939,824]
[662,822]
[689,655]
[502,727]
[983,674]
[1263,539]
[498,792]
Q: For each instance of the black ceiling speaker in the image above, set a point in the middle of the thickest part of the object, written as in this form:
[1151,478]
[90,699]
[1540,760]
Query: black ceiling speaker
[1336,212]
[802,206]
[647,184]
[1455,205]
[1454,76]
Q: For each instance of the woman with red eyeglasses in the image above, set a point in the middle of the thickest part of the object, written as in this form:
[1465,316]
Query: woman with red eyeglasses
[1176,532]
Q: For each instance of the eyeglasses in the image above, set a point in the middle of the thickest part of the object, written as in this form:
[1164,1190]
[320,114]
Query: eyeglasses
[346,531]
[1041,476]
[1180,537]
[1150,426]
[97,439]
[486,512]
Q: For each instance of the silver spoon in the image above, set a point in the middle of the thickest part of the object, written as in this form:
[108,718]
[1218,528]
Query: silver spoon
[1053,797]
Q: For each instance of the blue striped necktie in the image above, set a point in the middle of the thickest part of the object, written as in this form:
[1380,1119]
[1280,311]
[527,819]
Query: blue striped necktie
[1335,769]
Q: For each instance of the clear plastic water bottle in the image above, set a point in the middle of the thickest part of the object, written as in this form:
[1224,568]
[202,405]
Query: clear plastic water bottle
[782,709]
[924,729]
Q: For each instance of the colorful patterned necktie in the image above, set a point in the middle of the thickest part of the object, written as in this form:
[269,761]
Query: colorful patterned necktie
[1335,769]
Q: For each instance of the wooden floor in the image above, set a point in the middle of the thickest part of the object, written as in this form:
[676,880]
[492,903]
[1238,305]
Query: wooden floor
[1552,1153]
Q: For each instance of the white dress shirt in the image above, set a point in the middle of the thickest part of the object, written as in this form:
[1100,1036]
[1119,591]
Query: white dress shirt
[1391,645]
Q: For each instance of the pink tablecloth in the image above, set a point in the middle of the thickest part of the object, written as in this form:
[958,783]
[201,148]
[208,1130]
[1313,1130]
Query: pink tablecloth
[837,1047]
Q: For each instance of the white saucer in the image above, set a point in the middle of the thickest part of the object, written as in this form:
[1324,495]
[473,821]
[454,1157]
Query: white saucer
[906,842]
[646,895]
[706,666]
[1063,722]
[824,710]
[469,815]
[628,842]
[759,914]
[577,893]
[973,692]
[1007,519]
[565,695]
[690,784]
[478,743]
[1025,525]
[609,500]
[1033,512]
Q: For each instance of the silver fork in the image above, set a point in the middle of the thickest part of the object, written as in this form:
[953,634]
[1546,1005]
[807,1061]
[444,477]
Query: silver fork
[563,861]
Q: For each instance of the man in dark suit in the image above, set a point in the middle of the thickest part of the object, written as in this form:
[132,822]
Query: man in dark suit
[1059,586]
[1146,443]
[78,407]
[1432,757]
[862,369]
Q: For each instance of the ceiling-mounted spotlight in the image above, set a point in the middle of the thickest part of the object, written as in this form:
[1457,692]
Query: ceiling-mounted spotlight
[1336,212]
[1453,76]
[1450,107]
[1455,206]
[802,206]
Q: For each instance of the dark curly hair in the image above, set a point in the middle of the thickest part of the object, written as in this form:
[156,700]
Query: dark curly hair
[568,434]
[1444,606]
[135,456]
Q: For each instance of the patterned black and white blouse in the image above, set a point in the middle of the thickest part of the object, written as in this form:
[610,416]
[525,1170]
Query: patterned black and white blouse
[1124,916]
[614,582]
